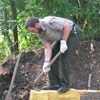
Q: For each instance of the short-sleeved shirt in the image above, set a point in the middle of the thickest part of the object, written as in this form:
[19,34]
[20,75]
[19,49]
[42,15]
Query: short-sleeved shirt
[52,28]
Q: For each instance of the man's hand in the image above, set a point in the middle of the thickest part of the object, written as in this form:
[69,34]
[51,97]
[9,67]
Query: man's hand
[46,69]
[63,46]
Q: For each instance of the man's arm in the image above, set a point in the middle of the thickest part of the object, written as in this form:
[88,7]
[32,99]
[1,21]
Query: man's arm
[47,51]
[66,31]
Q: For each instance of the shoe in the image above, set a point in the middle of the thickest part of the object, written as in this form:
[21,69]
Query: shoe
[51,87]
[63,89]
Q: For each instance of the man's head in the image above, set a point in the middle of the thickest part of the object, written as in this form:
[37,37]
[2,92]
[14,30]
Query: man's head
[32,24]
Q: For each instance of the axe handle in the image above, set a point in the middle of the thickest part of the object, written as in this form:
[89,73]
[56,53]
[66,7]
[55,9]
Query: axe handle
[40,75]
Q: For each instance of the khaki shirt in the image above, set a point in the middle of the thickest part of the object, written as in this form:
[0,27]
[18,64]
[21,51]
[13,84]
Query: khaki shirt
[52,28]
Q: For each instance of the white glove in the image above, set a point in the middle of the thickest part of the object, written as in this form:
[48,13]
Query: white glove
[45,67]
[63,46]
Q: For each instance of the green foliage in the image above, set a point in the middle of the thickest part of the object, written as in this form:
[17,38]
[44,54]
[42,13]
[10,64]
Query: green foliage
[20,5]
[91,13]
[86,13]
[4,50]
[28,41]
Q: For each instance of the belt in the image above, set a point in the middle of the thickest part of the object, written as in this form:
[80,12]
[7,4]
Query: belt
[74,29]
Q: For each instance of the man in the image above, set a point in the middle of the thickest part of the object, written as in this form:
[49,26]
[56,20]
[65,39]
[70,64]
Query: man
[67,34]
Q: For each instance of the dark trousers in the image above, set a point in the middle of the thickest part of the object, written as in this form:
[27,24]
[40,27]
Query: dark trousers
[60,70]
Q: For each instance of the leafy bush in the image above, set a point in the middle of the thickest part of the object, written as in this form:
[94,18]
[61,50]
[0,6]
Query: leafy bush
[85,13]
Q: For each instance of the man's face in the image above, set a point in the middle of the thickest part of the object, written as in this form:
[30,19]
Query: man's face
[33,29]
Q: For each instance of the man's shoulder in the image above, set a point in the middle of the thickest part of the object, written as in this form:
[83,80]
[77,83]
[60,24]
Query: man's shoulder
[51,19]
[47,18]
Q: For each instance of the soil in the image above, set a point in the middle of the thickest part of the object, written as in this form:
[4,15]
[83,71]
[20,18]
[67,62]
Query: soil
[85,61]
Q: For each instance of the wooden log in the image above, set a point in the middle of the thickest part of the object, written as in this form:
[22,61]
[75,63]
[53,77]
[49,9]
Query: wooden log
[73,94]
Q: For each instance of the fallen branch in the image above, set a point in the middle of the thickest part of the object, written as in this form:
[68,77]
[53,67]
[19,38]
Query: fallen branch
[89,81]
[13,78]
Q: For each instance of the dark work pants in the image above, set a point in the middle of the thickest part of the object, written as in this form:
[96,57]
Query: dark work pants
[60,69]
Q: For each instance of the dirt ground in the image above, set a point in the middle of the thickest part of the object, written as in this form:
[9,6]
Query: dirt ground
[85,61]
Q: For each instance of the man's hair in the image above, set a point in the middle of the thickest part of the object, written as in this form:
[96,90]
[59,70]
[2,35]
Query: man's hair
[30,22]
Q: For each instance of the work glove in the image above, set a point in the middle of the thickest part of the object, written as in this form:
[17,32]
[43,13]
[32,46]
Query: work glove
[46,69]
[63,46]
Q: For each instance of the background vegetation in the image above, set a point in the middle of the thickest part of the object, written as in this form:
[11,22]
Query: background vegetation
[13,36]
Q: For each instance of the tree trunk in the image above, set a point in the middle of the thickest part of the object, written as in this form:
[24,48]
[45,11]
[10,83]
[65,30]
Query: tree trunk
[46,4]
[6,31]
[14,17]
